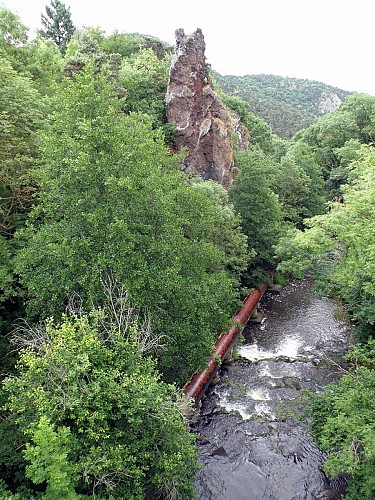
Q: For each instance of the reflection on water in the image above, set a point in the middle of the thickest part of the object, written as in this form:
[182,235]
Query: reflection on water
[245,413]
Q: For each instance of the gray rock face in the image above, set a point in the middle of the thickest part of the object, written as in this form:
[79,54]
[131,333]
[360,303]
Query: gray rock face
[204,125]
[328,102]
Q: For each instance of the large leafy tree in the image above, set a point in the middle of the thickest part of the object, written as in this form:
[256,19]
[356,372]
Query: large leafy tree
[299,183]
[91,414]
[260,211]
[114,202]
[57,24]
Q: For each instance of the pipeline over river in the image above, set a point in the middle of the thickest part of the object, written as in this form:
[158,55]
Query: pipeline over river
[252,445]
[199,383]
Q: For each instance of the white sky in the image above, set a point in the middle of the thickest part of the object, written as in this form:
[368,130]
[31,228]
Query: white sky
[326,40]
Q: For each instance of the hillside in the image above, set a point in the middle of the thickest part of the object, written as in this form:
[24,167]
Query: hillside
[286,104]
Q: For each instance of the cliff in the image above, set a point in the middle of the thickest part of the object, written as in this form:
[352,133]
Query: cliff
[204,126]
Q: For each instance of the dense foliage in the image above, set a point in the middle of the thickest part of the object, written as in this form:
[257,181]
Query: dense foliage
[335,139]
[344,421]
[92,415]
[93,202]
[260,210]
[286,104]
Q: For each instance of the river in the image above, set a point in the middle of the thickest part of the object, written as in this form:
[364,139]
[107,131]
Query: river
[252,445]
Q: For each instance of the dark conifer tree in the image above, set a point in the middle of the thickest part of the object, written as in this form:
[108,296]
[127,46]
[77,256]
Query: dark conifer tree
[57,24]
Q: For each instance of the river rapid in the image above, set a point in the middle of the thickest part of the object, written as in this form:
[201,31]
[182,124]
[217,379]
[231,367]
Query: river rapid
[252,445]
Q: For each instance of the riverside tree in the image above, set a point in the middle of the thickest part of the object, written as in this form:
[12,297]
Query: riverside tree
[113,202]
[260,211]
[343,419]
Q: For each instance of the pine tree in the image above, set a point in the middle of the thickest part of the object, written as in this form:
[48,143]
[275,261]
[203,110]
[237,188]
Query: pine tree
[57,24]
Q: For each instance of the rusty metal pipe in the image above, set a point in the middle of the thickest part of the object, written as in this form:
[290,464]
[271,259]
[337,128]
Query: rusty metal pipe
[198,384]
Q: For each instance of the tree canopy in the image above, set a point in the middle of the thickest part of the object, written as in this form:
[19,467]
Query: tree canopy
[114,202]
[92,414]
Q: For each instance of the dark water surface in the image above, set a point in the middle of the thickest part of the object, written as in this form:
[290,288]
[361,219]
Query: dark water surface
[252,447]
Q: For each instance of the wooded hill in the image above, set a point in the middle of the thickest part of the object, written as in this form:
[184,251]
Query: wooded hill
[286,104]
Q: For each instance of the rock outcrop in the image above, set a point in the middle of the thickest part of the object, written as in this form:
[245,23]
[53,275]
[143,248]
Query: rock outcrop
[204,126]
[328,102]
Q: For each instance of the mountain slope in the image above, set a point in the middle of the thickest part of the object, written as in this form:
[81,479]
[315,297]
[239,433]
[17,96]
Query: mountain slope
[286,104]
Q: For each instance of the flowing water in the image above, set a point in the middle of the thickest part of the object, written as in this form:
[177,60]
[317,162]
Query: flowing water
[251,444]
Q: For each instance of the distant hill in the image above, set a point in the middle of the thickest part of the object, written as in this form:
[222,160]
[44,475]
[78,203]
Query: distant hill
[286,104]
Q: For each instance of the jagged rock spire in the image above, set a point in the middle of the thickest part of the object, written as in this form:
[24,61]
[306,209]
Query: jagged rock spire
[203,123]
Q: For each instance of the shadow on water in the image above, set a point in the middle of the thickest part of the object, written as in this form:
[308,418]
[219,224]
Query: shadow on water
[251,445]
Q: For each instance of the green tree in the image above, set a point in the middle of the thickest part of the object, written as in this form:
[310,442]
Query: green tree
[12,32]
[115,202]
[13,40]
[95,418]
[57,24]
[362,108]
[44,66]
[219,223]
[39,60]
[122,43]
[338,176]
[145,79]
[299,184]
[260,211]
[337,128]
[84,49]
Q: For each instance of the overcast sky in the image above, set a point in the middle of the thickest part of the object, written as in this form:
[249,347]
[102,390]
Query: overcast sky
[326,40]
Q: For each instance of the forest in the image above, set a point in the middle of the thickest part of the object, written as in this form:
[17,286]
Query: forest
[118,271]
